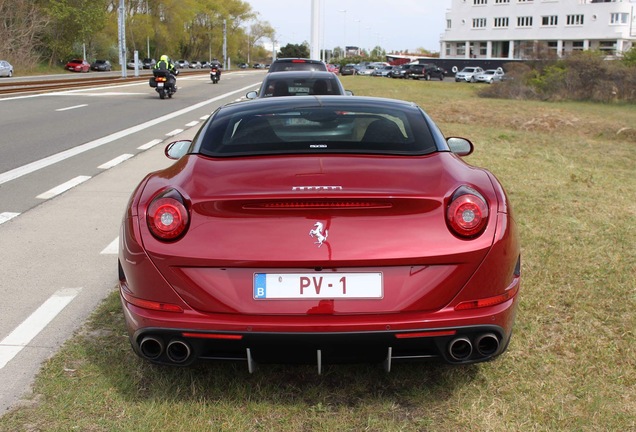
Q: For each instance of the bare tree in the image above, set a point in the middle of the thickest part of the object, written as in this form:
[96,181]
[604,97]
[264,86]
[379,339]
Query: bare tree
[21,25]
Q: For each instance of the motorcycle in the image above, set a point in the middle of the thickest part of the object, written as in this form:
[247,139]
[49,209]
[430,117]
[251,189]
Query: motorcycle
[164,82]
[215,75]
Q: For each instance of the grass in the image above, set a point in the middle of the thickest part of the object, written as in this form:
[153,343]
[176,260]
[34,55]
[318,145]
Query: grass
[571,366]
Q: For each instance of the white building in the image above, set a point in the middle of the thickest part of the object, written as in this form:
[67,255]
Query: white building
[518,29]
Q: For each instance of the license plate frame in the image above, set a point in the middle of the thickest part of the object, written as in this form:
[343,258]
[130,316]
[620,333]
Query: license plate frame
[318,286]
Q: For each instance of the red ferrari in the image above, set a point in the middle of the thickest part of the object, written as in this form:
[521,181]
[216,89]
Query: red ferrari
[319,229]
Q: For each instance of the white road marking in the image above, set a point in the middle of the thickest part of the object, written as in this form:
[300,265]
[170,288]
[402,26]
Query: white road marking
[73,107]
[149,144]
[112,248]
[113,162]
[63,187]
[174,132]
[205,117]
[5,216]
[20,337]
[192,123]
[48,161]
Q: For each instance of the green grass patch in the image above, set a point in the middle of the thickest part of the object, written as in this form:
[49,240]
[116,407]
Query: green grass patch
[569,171]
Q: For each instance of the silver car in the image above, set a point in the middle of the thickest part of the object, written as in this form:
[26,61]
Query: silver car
[468,74]
[6,70]
[490,76]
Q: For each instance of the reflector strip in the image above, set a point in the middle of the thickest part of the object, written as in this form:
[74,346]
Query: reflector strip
[426,334]
[151,305]
[212,336]
[490,301]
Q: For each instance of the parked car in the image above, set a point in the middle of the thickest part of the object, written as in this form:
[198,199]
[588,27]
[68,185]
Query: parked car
[6,69]
[243,65]
[101,66]
[399,71]
[468,74]
[333,68]
[78,65]
[348,69]
[298,83]
[343,229]
[182,64]
[490,76]
[425,71]
[366,70]
[195,64]
[148,63]
[289,64]
[131,64]
[382,71]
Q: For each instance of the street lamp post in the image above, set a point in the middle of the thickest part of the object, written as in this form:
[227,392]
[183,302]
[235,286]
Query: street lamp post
[344,32]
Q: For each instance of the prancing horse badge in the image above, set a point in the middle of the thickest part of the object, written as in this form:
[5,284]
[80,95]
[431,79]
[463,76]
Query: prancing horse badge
[317,233]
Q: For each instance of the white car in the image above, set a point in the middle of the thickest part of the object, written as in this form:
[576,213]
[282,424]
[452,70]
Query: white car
[490,76]
[468,74]
[6,70]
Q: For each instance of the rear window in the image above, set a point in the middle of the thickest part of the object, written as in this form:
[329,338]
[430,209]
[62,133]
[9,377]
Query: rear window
[297,64]
[315,130]
[300,87]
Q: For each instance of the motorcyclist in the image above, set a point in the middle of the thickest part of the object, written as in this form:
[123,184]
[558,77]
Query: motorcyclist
[215,63]
[165,64]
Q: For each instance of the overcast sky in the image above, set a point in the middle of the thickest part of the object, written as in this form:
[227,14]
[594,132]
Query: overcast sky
[395,25]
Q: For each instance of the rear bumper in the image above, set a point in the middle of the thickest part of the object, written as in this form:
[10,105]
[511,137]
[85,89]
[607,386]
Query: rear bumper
[460,338]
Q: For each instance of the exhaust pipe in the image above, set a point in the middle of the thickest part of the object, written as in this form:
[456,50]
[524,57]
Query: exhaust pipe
[487,344]
[460,348]
[151,347]
[178,351]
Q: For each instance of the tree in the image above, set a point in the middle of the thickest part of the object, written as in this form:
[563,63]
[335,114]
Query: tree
[294,50]
[22,24]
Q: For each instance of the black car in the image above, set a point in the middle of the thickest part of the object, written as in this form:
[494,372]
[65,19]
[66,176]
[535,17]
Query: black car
[348,69]
[399,71]
[299,83]
[101,65]
[292,64]
[148,63]
[426,71]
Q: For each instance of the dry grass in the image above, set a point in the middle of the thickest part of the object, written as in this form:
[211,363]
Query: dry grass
[569,171]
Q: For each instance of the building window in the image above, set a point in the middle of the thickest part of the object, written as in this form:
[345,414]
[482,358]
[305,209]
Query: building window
[479,22]
[577,46]
[461,49]
[619,18]
[524,21]
[574,20]
[549,20]
[448,24]
[607,47]
[501,22]
[480,2]
[524,1]
[501,1]
[483,48]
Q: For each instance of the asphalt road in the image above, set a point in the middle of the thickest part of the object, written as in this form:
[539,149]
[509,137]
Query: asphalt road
[68,164]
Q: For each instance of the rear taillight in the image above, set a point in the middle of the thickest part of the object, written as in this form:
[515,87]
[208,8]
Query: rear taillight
[467,214]
[167,216]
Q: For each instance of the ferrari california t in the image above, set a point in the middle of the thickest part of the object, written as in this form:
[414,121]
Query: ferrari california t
[319,229]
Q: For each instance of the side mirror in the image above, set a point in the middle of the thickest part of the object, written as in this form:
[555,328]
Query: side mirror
[348,93]
[460,146]
[252,95]
[176,149]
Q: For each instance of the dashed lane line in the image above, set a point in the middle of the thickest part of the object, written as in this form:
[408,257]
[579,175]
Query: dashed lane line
[114,162]
[63,187]
[20,337]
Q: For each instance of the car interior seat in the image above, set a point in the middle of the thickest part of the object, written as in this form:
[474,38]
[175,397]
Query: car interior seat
[383,131]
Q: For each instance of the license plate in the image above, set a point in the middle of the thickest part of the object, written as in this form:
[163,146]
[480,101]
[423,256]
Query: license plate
[160,84]
[299,89]
[317,286]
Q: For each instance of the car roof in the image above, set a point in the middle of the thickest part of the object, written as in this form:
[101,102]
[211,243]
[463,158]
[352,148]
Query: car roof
[290,61]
